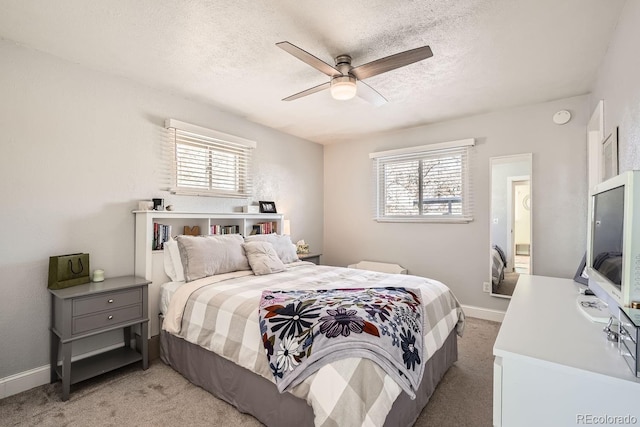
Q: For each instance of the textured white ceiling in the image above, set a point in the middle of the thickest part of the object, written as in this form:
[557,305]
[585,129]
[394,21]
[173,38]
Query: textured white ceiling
[487,54]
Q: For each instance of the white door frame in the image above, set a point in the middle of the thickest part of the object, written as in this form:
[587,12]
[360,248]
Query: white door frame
[511,254]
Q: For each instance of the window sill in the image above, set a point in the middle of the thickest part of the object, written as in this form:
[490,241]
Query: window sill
[440,220]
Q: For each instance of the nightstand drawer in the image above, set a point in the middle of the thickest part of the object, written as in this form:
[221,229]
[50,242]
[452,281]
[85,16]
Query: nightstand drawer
[105,319]
[106,301]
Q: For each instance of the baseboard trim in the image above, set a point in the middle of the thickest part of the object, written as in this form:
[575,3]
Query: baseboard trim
[36,377]
[483,313]
[23,381]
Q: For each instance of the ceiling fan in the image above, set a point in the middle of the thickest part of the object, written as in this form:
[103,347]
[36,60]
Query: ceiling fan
[344,76]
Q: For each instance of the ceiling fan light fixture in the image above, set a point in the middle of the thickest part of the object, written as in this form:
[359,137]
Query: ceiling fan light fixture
[343,87]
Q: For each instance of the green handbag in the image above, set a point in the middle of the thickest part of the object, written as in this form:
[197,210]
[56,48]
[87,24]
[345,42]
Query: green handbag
[68,270]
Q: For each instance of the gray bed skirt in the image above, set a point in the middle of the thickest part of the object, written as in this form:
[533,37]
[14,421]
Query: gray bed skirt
[252,394]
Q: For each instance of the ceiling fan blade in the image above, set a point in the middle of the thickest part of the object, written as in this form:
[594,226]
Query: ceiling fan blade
[392,62]
[371,95]
[305,56]
[314,89]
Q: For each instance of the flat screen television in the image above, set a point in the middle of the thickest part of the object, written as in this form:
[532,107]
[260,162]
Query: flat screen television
[613,246]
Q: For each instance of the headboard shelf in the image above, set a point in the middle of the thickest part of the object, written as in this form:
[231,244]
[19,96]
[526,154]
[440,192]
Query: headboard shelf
[149,262]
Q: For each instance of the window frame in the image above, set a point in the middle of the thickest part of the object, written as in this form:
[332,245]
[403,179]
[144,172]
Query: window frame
[186,136]
[420,154]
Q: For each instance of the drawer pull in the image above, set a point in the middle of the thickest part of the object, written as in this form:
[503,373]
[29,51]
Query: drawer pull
[110,317]
[110,301]
[625,335]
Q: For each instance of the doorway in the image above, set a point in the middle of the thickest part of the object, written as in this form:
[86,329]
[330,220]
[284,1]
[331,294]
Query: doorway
[520,215]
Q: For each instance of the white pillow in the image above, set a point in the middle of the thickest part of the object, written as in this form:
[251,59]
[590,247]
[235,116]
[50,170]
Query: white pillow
[204,256]
[285,249]
[172,261]
[263,258]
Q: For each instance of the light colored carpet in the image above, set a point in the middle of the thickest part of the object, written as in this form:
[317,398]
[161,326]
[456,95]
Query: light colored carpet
[161,397]
[508,285]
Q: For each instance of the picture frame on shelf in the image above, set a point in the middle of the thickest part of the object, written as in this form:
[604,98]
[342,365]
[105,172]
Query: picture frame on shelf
[610,155]
[267,207]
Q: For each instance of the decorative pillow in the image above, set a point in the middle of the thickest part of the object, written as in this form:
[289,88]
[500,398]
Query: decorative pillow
[204,256]
[263,258]
[285,249]
[172,261]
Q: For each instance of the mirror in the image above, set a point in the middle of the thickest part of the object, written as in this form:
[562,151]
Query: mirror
[510,236]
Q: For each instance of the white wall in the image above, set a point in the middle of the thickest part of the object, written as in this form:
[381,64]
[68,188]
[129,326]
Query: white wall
[458,254]
[78,150]
[618,84]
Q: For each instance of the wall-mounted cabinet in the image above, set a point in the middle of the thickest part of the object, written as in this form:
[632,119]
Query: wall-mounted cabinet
[149,261]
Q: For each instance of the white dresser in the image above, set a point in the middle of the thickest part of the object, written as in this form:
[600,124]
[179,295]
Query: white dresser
[554,367]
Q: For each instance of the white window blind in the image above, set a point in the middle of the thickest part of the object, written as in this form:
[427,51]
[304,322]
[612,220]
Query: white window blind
[206,162]
[430,183]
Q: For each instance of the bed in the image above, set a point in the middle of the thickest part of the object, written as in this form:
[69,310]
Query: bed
[498,264]
[211,334]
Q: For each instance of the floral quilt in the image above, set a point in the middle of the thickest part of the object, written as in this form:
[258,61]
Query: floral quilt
[303,330]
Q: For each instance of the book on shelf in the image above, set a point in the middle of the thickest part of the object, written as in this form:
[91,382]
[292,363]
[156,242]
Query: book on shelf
[225,229]
[265,228]
[161,234]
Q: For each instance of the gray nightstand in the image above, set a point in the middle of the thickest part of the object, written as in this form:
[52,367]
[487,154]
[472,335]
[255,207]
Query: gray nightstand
[82,311]
[314,258]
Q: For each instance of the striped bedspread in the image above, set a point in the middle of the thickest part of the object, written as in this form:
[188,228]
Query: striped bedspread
[220,313]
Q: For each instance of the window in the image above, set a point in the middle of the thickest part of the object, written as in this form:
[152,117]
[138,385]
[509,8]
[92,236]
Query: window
[208,163]
[422,184]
